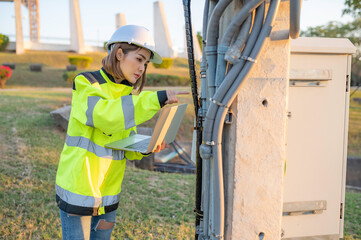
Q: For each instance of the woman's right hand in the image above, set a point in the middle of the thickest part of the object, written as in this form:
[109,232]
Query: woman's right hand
[171,95]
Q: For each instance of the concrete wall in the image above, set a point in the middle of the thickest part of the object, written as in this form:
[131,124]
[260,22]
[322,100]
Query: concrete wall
[260,141]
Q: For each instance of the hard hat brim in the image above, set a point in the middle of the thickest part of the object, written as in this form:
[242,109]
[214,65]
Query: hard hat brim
[155,59]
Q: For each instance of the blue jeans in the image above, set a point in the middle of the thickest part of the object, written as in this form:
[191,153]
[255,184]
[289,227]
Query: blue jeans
[75,227]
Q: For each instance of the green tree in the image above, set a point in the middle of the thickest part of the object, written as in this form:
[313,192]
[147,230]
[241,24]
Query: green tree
[353,7]
[200,39]
[352,31]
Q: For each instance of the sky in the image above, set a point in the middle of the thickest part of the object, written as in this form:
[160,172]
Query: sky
[98,18]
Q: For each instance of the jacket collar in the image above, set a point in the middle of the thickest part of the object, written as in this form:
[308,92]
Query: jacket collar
[111,78]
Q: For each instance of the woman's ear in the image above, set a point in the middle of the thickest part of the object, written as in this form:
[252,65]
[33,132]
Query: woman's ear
[119,54]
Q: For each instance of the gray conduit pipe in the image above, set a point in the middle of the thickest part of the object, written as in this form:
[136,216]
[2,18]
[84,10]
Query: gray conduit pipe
[258,21]
[204,63]
[205,161]
[221,113]
[233,73]
[211,48]
[221,65]
[207,130]
[239,19]
[295,16]
[256,28]
[210,60]
[223,49]
[234,52]
[205,164]
[235,24]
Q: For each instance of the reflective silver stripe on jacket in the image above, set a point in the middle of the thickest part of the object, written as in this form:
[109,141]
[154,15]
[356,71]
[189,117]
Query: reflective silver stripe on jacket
[85,201]
[128,111]
[92,101]
[90,146]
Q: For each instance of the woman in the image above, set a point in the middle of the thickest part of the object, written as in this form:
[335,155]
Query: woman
[89,177]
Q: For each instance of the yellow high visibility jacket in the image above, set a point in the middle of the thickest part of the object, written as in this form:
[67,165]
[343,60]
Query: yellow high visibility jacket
[89,176]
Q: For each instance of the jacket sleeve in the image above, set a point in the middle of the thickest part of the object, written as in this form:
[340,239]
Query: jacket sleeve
[94,108]
[134,155]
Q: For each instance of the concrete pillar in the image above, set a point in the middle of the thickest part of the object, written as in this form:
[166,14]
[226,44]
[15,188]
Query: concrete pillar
[19,28]
[120,20]
[196,48]
[163,44]
[76,30]
[260,145]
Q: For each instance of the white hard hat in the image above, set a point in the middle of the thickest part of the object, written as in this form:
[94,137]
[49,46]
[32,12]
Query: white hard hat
[136,35]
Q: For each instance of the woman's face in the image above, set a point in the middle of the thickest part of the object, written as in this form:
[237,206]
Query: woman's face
[133,63]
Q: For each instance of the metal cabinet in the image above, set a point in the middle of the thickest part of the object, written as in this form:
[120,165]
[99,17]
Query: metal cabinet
[314,184]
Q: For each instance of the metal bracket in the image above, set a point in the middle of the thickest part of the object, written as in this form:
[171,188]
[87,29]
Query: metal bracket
[229,118]
[304,208]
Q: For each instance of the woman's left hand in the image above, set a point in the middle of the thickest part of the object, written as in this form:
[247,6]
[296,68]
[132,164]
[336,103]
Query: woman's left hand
[161,147]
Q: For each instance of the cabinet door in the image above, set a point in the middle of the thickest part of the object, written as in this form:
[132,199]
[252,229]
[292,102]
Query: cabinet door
[315,146]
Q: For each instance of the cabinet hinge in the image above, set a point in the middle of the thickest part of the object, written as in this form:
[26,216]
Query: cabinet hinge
[347,82]
[341,210]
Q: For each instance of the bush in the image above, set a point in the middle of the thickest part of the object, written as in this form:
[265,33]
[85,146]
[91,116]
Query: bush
[80,61]
[167,63]
[5,74]
[166,80]
[69,76]
[180,62]
[4,41]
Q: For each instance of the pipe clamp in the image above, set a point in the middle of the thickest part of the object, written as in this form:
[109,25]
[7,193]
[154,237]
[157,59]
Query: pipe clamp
[249,59]
[218,103]
[217,236]
[211,143]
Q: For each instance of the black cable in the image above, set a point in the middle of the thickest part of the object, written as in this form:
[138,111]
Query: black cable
[185,159]
[185,153]
[189,38]
[192,72]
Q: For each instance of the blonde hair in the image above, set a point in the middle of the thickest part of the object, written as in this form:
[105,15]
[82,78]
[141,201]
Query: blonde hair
[111,65]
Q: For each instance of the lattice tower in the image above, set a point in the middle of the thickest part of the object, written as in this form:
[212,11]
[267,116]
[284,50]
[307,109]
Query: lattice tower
[33,7]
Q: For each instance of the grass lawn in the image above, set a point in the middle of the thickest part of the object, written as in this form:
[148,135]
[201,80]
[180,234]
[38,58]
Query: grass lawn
[354,133]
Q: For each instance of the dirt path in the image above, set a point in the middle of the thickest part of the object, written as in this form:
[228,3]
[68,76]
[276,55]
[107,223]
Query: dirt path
[36,89]
[70,89]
